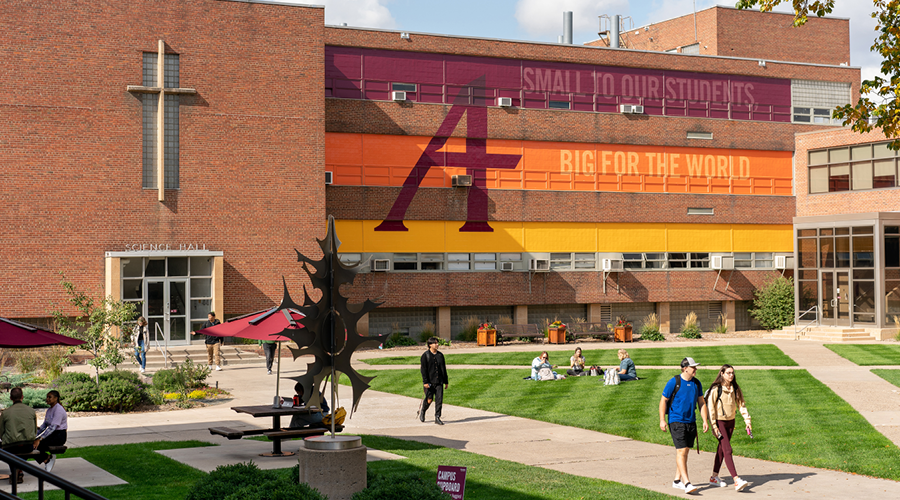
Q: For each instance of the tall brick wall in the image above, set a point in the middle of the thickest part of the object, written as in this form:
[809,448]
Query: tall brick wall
[251,150]
[846,202]
[674,33]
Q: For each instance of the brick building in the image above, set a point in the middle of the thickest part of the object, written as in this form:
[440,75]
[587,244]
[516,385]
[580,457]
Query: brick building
[469,177]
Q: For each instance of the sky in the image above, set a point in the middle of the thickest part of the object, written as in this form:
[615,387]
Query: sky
[541,20]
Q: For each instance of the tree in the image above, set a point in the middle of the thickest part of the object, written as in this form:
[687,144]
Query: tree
[866,114]
[773,306]
[97,324]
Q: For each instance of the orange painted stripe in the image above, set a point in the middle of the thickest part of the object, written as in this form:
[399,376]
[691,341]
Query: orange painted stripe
[386,160]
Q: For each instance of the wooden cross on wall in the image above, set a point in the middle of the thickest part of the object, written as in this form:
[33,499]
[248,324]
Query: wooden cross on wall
[162,91]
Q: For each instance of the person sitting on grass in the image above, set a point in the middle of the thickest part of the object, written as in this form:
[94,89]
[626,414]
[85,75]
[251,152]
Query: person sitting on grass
[541,369]
[576,364]
[313,419]
[626,367]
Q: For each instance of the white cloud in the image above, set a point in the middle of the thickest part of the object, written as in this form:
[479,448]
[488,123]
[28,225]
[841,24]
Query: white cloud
[359,13]
[543,18]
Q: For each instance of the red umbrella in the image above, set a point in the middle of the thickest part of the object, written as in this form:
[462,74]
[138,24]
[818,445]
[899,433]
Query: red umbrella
[14,334]
[262,325]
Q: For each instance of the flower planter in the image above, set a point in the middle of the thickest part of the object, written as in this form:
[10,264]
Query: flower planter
[487,337]
[558,335]
[623,334]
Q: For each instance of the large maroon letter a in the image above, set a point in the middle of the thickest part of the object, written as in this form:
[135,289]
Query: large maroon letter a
[476,160]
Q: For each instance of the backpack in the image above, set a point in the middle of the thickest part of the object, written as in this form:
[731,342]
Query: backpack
[718,396]
[546,374]
[669,403]
[611,377]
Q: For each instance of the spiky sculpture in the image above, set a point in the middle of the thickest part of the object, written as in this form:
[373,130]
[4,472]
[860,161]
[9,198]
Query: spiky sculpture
[329,332]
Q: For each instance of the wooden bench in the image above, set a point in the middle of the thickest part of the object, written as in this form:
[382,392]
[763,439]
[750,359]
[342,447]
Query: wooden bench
[589,330]
[53,450]
[515,331]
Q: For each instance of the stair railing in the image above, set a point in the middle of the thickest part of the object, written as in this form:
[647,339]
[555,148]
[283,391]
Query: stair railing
[813,309]
[17,464]
[165,347]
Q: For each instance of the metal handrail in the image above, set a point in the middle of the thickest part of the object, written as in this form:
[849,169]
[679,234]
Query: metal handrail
[165,349]
[800,316]
[15,464]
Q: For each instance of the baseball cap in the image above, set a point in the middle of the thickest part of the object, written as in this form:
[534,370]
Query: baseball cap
[686,362]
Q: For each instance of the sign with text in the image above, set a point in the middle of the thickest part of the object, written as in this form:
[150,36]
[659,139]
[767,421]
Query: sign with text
[452,480]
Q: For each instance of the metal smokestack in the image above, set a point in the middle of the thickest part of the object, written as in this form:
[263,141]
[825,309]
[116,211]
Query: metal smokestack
[567,27]
[614,38]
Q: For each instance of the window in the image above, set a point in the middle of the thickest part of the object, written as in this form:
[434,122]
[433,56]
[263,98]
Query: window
[743,260]
[699,260]
[813,101]
[678,260]
[693,49]
[633,260]
[654,261]
[560,261]
[510,257]
[559,105]
[405,87]
[406,262]
[486,261]
[458,262]
[699,211]
[764,260]
[857,168]
[585,261]
[150,104]
[431,261]
[350,259]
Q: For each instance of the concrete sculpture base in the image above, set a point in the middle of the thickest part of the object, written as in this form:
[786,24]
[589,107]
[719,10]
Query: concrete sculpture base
[336,467]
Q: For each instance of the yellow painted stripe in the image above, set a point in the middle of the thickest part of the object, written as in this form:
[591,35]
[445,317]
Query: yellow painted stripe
[444,236]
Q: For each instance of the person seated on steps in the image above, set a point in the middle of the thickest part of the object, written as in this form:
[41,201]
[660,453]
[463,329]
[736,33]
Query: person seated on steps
[311,420]
[18,426]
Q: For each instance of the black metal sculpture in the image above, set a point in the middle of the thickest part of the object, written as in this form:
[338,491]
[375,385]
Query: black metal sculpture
[329,332]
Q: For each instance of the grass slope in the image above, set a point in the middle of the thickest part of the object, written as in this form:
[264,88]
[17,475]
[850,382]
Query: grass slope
[796,418]
[739,355]
[868,354]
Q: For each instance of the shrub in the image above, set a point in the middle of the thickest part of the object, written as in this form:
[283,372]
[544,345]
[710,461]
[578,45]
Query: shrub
[35,398]
[78,395]
[773,306]
[248,482]
[469,331]
[409,486]
[650,329]
[897,324]
[427,331]
[54,361]
[690,329]
[398,339]
[721,324]
[181,378]
[27,360]
[18,379]
[119,394]
[164,380]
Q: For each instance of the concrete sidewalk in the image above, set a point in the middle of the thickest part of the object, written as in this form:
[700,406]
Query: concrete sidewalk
[521,440]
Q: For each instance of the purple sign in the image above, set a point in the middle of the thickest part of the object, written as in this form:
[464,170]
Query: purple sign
[452,480]
[359,73]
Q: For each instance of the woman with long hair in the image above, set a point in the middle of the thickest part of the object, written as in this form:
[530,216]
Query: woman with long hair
[576,363]
[626,367]
[724,400]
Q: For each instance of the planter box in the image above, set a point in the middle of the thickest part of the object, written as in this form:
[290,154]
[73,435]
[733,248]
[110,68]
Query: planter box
[487,337]
[558,335]
[623,334]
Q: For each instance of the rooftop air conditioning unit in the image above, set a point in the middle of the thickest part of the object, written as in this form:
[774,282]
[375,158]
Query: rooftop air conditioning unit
[539,265]
[398,95]
[631,109]
[506,266]
[610,265]
[720,262]
[381,265]
[328,177]
[504,102]
[461,180]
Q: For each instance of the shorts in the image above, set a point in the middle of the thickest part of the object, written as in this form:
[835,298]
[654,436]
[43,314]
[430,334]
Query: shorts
[683,435]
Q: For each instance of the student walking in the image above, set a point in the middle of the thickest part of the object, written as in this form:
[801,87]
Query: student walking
[724,400]
[680,395]
[434,380]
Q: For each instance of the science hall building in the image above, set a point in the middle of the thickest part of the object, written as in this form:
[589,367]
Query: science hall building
[177,154]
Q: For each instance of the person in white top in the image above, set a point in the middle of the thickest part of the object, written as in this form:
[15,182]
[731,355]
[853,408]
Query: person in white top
[724,400]
[53,432]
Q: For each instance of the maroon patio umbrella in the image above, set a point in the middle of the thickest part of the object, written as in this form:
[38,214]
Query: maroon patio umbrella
[15,334]
[261,325]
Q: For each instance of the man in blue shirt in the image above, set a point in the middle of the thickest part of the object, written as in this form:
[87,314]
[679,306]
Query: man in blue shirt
[678,400]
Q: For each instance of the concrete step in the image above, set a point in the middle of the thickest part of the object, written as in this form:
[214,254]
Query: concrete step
[823,334]
[232,355]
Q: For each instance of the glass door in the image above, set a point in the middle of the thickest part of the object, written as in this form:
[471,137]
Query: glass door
[835,298]
[166,311]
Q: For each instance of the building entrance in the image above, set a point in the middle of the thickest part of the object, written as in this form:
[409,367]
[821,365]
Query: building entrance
[836,300]
[166,312]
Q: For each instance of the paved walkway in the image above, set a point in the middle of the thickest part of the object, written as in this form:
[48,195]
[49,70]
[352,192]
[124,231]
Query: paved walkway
[521,440]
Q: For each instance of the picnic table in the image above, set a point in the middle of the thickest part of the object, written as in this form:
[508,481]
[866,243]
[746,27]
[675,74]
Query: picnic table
[276,433]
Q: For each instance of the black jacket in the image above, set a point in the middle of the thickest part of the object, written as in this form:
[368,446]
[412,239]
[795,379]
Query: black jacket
[433,368]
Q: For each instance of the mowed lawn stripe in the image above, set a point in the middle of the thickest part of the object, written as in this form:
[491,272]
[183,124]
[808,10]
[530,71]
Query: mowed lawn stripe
[737,355]
[892,376]
[868,354]
[796,418]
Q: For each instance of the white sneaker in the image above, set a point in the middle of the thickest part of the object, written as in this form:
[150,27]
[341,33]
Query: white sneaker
[716,481]
[678,485]
[49,465]
[142,370]
[690,488]
[270,372]
[740,484]
[218,368]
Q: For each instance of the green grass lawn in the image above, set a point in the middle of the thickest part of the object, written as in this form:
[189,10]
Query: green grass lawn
[149,474]
[738,355]
[796,418]
[868,354]
[892,376]
[154,476]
